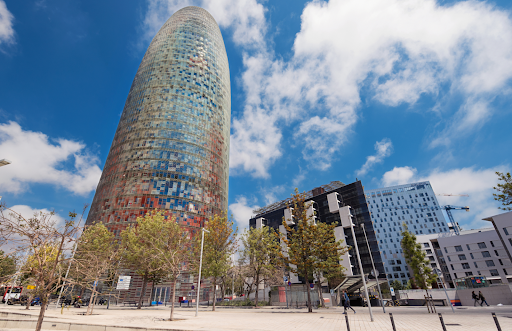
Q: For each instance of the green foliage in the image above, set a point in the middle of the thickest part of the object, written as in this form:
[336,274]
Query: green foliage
[7,267]
[97,253]
[260,254]
[504,190]
[311,247]
[416,260]
[219,246]
[397,285]
[143,245]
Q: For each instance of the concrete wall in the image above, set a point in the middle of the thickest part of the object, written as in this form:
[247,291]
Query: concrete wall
[493,295]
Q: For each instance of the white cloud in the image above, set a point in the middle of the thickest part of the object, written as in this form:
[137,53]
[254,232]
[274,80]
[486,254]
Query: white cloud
[245,17]
[6,30]
[35,159]
[477,183]
[242,212]
[398,176]
[397,50]
[384,148]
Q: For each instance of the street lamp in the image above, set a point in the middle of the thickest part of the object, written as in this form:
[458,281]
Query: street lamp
[361,268]
[203,230]
[375,272]
[4,162]
[439,274]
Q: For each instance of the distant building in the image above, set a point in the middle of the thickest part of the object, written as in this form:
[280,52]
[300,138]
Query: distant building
[471,253]
[328,202]
[503,225]
[415,205]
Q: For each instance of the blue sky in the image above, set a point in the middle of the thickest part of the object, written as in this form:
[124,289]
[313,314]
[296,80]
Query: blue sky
[385,91]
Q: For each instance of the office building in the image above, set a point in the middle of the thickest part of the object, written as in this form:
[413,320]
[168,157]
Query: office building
[171,147]
[412,204]
[327,203]
[471,253]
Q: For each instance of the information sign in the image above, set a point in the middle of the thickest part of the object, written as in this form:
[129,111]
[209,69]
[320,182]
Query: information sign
[123,283]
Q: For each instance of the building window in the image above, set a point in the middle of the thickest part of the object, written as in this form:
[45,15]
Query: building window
[476,266]
[505,272]
[429,251]
[506,231]
[489,263]
[449,259]
[469,273]
[482,245]
[494,272]
[496,252]
[455,275]
[462,257]
[458,248]
[465,266]
[426,245]
[467,246]
[501,262]
[492,244]
[486,254]
[510,241]
[471,254]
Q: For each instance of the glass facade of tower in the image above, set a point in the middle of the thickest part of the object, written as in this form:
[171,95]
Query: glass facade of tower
[171,147]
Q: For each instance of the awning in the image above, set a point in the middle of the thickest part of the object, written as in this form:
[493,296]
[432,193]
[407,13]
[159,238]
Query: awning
[355,283]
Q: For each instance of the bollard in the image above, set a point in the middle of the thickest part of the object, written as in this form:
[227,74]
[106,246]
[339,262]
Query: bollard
[496,321]
[392,321]
[442,321]
[346,320]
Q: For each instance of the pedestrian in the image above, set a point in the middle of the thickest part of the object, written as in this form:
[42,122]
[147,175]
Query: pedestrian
[475,298]
[482,299]
[347,302]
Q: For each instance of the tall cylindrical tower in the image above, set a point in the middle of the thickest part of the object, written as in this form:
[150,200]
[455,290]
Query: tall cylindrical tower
[171,147]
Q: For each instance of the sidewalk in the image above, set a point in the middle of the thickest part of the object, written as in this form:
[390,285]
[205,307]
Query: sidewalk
[406,318]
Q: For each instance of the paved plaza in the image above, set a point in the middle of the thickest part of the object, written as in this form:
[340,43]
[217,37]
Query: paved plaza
[406,318]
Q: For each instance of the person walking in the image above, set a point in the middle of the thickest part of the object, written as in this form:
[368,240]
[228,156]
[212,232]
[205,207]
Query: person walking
[346,304]
[475,298]
[482,299]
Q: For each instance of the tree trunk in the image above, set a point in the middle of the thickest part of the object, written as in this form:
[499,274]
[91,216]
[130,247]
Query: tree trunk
[320,296]
[214,292]
[29,300]
[310,309]
[91,300]
[144,287]
[44,303]
[152,293]
[257,291]
[172,299]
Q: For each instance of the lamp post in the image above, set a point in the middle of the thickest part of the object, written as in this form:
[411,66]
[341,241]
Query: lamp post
[375,273]
[439,273]
[361,269]
[203,230]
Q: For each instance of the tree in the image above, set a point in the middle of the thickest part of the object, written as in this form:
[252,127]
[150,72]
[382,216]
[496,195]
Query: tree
[260,254]
[423,277]
[140,251]
[48,245]
[311,248]
[329,252]
[97,253]
[504,190]
[173,251]
[397,285]
[219,245]
[7,267]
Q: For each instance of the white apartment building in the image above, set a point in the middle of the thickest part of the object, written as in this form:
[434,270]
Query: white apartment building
[503,225]
[415,205]
[471,253]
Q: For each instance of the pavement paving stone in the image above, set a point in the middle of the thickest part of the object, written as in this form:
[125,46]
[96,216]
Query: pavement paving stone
[266,319]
